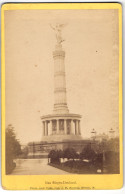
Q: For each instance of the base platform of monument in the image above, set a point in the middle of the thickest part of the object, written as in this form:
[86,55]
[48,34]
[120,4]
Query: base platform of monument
[41,149]
[61,138]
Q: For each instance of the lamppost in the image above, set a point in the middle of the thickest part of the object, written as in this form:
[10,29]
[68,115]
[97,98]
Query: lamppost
[93,136]
[93,132]
[33,150]
[103,157]
[111,133]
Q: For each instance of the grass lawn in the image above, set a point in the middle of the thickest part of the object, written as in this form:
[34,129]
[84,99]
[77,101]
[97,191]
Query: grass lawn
[77,167]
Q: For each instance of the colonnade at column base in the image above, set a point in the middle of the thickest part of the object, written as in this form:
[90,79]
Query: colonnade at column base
[61,127]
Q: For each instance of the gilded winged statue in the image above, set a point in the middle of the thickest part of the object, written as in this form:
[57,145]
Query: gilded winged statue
[58,29]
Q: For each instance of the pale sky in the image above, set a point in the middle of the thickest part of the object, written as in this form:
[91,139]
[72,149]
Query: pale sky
[91,63]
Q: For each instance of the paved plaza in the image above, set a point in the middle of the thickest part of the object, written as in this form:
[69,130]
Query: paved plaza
[35,167]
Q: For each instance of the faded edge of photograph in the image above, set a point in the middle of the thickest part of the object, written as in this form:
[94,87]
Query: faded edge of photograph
[62,92]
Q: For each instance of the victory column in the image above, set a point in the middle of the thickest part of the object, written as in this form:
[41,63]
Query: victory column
[60,126]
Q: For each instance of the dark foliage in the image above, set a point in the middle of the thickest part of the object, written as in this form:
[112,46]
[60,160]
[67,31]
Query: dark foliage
[70,153]
[98,162]
[54,156]
[24,152]
[103,159]
[88,153]
[112,161]
[13,149]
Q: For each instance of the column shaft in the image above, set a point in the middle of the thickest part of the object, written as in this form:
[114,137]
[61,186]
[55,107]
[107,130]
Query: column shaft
[60,100]
[79,128]
[51,127]
[43,128]
[76,127]
[65,128]
[46,128]
[71,130]
[57,121]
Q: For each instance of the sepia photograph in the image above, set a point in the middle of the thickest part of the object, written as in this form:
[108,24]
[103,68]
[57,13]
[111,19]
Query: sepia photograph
[62,91]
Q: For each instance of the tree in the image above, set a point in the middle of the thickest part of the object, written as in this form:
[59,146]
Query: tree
[70,153]
[113,144]
[54,156]
[13,148]
[24,152]
[88,153]
[112,161]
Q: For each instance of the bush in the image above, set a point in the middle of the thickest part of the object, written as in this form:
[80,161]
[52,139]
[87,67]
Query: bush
[68,153]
